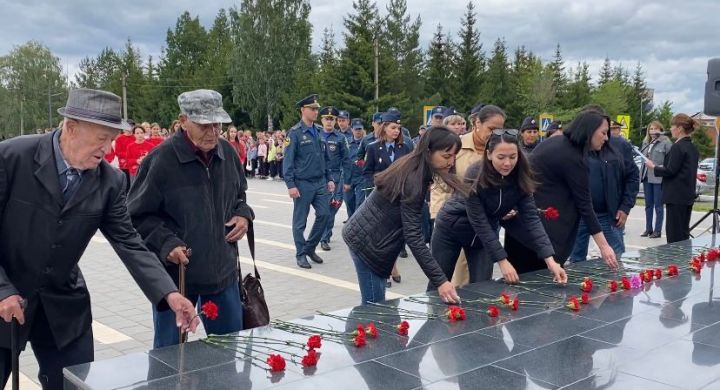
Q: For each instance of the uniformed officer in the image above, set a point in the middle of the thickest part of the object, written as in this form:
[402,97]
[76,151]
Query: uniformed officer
[437,115]
[343,122]
[529,135]
[338,163]
[355,195]
[308,180]
[372,137]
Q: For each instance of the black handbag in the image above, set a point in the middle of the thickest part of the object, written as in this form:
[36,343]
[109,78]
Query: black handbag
[255,309]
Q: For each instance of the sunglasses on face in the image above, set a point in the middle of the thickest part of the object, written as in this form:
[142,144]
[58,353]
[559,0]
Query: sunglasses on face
[510,132]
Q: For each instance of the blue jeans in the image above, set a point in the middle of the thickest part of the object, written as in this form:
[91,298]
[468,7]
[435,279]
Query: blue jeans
[613,235]
[229,318]
[653,200]
[372,285]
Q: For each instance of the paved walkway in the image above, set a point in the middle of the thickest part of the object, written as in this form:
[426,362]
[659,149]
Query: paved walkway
[122,318]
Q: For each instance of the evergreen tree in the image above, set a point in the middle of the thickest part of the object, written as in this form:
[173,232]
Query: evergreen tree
[612,96]
[469,62]
[703,142]
[560,80]
[606,72]
[328,84]
[580,89]
[497,87]
[639,105]
[438,77]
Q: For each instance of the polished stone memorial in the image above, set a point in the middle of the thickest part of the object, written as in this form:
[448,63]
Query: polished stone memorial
[662,335]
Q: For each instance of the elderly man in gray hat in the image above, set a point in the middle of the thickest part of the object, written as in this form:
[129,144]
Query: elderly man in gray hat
[189,193]
[56,191]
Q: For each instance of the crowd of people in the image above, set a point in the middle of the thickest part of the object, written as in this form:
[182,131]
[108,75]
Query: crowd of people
[444,194]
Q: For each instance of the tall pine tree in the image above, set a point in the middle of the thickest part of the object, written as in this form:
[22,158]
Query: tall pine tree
[469,62]
[438,75]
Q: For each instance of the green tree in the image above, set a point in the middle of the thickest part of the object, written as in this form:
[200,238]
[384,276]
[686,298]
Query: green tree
[606,72]
[559,78]
[639,105]
[469,62]
[438,78]
[34,88]
[272,41]
[664,114]
[579,89]
[612,97]
[497,86]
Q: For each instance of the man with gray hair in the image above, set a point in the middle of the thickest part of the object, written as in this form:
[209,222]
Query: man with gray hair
[189,192]
[56,191]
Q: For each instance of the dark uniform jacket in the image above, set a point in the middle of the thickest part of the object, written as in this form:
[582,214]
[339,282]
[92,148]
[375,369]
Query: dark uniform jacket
[678,173]
[378,159]
[178,200]
[305,155]
[42,238]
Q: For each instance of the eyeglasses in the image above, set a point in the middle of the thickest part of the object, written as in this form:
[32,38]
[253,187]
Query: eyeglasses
[510,132]
[209,127]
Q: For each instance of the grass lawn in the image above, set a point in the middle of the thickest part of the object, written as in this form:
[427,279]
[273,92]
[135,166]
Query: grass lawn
[698,206]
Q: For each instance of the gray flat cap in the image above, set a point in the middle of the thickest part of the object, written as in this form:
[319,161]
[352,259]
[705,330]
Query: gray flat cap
[203,106]
[95,106]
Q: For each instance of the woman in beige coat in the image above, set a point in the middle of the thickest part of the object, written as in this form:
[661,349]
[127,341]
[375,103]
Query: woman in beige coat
[484,119]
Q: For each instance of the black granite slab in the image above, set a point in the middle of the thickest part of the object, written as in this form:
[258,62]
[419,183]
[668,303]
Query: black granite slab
[663,335]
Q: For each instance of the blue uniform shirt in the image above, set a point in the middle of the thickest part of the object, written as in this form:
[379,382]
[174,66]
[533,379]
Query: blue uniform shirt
[305,155]
[337,151]
[356,171]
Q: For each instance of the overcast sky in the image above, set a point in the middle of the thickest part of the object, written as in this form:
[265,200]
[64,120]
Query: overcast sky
[671,39]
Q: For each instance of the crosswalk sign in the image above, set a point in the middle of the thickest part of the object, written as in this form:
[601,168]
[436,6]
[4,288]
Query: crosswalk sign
[624,121]
[427,110]
[545,121]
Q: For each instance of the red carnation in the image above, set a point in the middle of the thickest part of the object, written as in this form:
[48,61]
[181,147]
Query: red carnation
[586,285]
[371,330]
[360,331]
[359,340]
[515,304]
[573,303]
[493,311]
[585,298]
[625,283]
[658,273]
[613,286]
[551,213]
[696,267]
[276,363]
[702,256]
[672,270]
[314,342]
[456,313]
[310,359]
[210,310]
[403,328]
[713,254]
[647,276]
[360,163]
[504,298]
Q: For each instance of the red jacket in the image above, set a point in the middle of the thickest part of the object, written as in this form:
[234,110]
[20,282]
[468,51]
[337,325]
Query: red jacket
[155,141]
[134,152]
[121,143]
[241,151]
[110,156]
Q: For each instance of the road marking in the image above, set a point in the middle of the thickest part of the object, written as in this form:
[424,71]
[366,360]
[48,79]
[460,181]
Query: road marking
[273,243]
[108,335]
[282,225]
[285,195]
[276,201]
[313,276]
[635,246]
[25,383]
[255,206]
[98,239]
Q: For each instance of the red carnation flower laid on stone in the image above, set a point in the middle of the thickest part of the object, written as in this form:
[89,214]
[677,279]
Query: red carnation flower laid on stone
[713,254]
[585,298]
[672,270]
[359,340]
[493,311]
[647,276]
[504,298]
[210,310]
[658,273]
[586,285]
[314,341]
[276,363]
[403,328]
[625,283]
[310,359]
[613,286]
[455,313]
[371,329]
[573,303]
[551,213]
[696,267]
[515,304]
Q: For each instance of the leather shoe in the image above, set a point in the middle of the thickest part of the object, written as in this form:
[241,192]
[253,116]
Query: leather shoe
[396,278]
[646,233]
[302,262]
[388,283]
[403,253]
[324,245]
[314,257]
[655,235]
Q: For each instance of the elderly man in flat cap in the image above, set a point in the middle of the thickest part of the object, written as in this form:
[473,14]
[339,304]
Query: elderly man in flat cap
[56,191]
[189,198]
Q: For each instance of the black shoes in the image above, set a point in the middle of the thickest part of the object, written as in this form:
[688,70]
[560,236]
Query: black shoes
[646,233]
[302,262]
[324,245]
[655,235]
[314,257]
[396,278]
[403,253]
[388,283]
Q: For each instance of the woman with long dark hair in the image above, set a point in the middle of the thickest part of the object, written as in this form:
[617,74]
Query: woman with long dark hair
[501,182]
[678,173]
[560,164]
[391,216]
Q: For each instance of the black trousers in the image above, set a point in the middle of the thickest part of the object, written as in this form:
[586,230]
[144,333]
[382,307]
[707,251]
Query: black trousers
[50,359]
[445,246]
[677,222]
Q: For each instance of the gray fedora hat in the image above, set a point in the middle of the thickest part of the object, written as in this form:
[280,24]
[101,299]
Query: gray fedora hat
[95,106]
[203,106]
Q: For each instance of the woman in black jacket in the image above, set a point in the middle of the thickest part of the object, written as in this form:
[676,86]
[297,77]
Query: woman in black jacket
[391,216]
[501,182]
[678,172]
[388,148]
[562,171]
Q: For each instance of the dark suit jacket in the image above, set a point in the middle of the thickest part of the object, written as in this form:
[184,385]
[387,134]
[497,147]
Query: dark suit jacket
[378,159]
[678,172]
[42,239]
